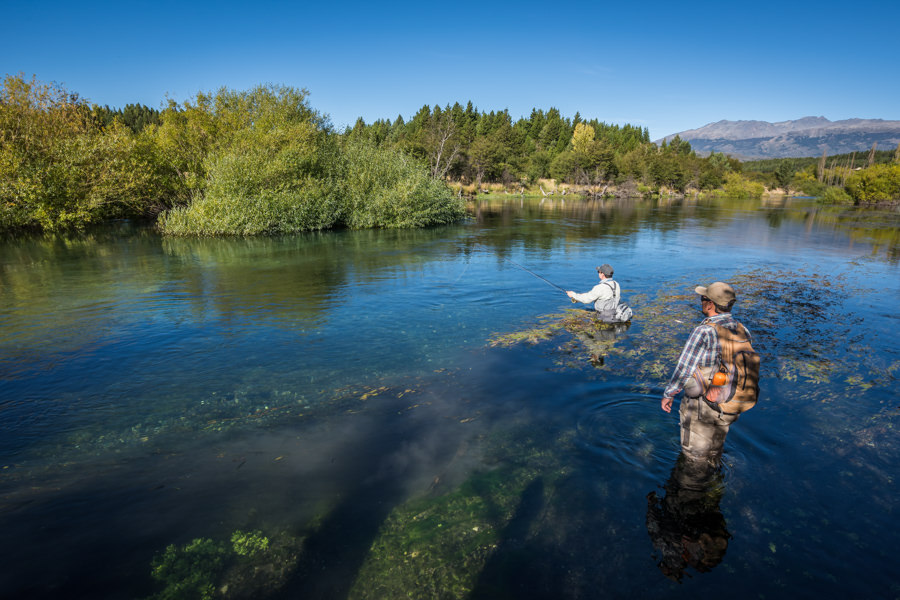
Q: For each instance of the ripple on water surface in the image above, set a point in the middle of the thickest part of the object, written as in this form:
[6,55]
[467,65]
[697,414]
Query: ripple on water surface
[630,429]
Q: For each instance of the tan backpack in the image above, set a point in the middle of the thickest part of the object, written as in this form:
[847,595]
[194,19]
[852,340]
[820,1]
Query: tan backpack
[739,363]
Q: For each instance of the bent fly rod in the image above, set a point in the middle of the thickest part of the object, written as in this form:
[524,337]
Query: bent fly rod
[550,283]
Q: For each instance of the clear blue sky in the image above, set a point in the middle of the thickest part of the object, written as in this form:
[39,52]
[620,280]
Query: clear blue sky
[668,66]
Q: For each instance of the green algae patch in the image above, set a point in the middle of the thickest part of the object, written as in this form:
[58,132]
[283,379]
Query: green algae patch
[588,338]
[799,324]
[438,546]
[252,565]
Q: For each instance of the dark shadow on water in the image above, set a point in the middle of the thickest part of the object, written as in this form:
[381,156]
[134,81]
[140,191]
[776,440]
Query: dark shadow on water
[554,545]
[335,551]
[507,573]
[95,538]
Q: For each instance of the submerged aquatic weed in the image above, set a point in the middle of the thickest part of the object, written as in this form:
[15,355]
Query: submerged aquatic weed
[439,545]
[248,544]
[551,325]
[594,333]
[250,566]
[190,571]
[812,345]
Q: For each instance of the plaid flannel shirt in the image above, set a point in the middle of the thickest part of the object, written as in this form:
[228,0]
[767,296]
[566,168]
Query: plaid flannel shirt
[701,350]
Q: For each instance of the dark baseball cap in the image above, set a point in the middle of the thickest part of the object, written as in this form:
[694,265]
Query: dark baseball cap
[606,269]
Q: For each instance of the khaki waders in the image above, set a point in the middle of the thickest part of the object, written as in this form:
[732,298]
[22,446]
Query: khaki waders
[703,428]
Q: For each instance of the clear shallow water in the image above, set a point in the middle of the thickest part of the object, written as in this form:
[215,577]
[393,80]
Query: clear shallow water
[158,390]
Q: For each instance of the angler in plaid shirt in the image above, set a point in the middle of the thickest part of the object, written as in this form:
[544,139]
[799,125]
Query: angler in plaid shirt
[703,426]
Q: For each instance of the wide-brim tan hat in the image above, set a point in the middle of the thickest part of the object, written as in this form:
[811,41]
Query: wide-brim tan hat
[719,292]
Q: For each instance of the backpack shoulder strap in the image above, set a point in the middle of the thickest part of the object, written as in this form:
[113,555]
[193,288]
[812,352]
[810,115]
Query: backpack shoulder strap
[613,285]
[740,335]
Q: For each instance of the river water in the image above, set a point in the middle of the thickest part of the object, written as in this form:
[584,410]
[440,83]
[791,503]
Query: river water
[412,413]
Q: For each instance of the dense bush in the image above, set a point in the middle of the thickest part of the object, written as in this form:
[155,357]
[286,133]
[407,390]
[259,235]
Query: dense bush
[267,187]
[811,186]
[381,187]
[234,162]
[266,182]
[61,167]
[40,128]
[877,183]
[835,195]
[737,186]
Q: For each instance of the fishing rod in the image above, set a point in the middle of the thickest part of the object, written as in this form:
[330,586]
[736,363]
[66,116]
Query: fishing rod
[550,283]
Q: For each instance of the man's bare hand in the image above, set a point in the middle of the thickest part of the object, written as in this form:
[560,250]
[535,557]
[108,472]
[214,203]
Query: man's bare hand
[667,404]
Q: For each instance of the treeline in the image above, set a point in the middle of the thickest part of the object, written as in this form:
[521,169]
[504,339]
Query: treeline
[134,116]
[466,145]
[264,161]
[861,177]
[232,162]
[855,159]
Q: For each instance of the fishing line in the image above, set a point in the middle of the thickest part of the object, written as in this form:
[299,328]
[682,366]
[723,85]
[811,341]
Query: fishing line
[529,271]
[466,268]
[533,273]
[550,283]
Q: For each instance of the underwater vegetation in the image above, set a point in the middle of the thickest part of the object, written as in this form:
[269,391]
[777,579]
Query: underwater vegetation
[438,546]
[810,340]
[250,566]
[214,415]
[797,321]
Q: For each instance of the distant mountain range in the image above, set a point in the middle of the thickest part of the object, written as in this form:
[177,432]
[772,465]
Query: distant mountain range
[809,136]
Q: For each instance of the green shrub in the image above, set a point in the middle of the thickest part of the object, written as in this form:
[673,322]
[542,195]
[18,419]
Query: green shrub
[269,182]
[60,168]
[811,187]
[835,195]
[737,186]
[386,188]
[877,183]
[40,125]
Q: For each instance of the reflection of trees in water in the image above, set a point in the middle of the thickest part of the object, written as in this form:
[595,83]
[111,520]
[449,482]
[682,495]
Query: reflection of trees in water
[116,268]
[534,223]
[526,221]
[686,525]
[879,226]
[300,275]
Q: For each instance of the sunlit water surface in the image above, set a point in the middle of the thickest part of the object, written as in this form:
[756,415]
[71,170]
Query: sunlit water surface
[158,390]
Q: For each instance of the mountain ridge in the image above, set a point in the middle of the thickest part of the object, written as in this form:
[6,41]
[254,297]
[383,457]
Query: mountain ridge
[807,136]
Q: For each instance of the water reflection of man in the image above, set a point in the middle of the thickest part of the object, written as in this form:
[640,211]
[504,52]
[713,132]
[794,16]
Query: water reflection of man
[686,525]
[599,338]
[703,425]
